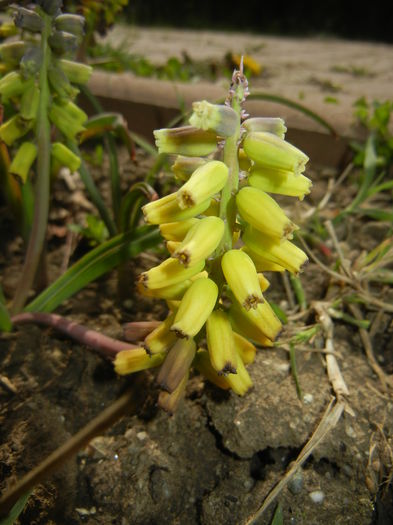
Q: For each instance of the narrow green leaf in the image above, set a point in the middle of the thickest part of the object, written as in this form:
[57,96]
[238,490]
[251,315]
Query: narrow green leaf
[294,105]
[131,203]
[5,320]
[370,168]
[375,213]
[144,144]
[347,318]
[299,291]
[292,358]
[279,312]
[388,185]
[94,264]
[93,191]
[278,518]
[16,510]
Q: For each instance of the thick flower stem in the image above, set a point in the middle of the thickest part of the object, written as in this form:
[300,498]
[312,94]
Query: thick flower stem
[106,346]
[41,201]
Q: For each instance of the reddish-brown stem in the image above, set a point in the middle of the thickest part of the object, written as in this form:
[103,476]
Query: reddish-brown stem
[103,344]
[138,330]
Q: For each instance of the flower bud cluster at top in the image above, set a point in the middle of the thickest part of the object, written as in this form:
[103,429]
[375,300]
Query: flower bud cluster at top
[37,78]
[223,229]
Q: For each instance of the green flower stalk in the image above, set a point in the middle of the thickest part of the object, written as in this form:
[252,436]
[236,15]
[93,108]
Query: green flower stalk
[222,229]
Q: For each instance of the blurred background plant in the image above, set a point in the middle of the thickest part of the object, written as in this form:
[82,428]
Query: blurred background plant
[41,130]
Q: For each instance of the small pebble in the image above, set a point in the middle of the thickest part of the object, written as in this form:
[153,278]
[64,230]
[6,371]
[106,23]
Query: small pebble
[248,484]
[308,399]
[317,496]
[350,431]
[295,485]
[141,436]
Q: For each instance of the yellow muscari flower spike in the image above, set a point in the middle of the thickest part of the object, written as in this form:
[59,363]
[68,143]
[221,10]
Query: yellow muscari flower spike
[201,241]
[161,338]
[172,292]
[261,264]
[203,184]
[184,167]
[263,318]
[168,273]
[241,275]
[267,149]
[216,117]
[203,365]
[167,209]
[176,365]
[261,211]
[172,246]
[284,253]
[263,282]
[245,348]
[213,209]
[186,140]
[220,343]
[280,182]
[244,162]
[270,124]
[135,360]
[243,326]
[176,231]
[170,401]
[195,307]
[240,382]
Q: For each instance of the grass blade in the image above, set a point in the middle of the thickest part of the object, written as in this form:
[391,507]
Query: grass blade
[278,518]
[16,510]
[292,358]
[94,264]
[93,192]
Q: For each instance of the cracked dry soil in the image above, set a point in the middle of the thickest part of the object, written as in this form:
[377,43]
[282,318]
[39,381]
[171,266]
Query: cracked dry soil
[218,457]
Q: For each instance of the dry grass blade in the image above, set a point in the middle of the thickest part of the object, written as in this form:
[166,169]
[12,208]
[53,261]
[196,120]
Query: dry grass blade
[328,422]
[343,261]
[333,370]
[332,273]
